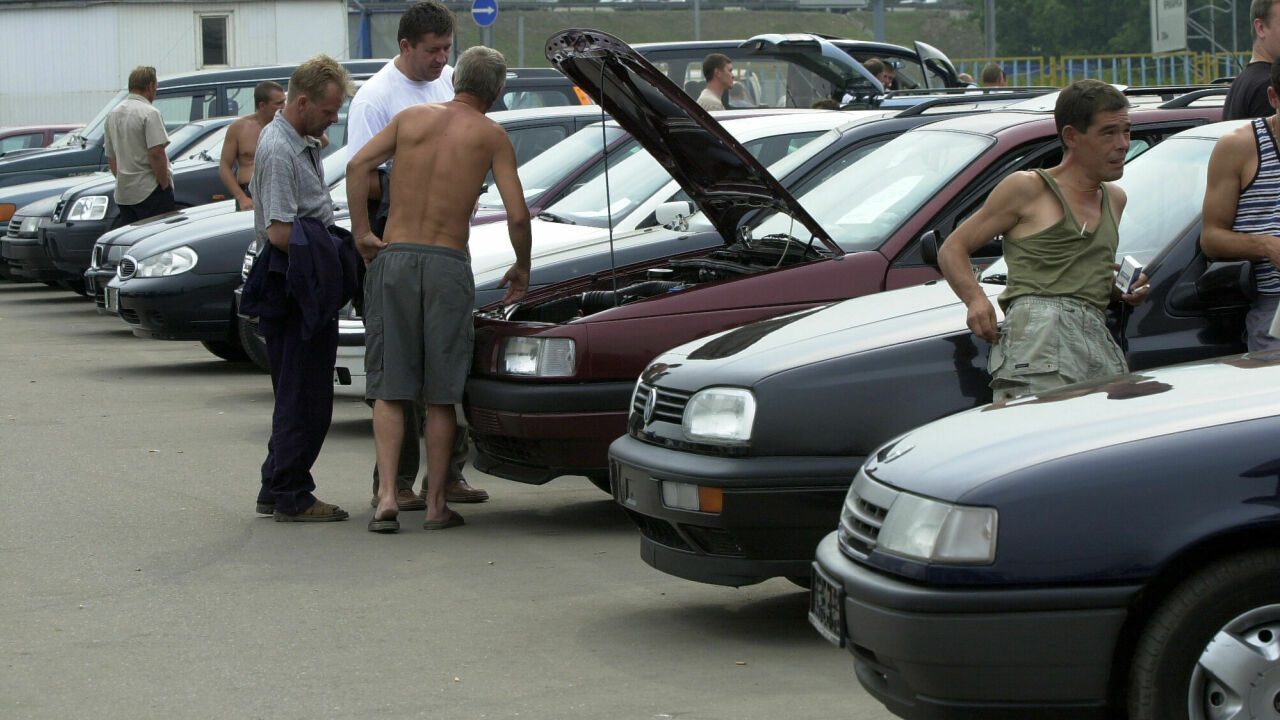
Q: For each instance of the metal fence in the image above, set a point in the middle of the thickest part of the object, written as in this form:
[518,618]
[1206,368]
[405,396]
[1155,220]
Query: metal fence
[1139,69]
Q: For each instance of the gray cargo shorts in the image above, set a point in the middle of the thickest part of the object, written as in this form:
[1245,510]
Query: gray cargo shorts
[1257,324]
[1047,342]
[418,326]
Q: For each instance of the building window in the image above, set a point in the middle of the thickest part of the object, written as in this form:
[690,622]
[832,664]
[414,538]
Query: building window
[215,41]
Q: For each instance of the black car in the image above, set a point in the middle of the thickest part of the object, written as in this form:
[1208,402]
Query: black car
[180,98]
[23,244]
[175,280]
[1109,549]
[816,392]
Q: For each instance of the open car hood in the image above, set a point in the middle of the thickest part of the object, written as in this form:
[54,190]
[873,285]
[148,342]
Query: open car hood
[817,55]
[716,171]
[934,59]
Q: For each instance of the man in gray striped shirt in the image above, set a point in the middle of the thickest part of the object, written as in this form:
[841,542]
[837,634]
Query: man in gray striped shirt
[288,184]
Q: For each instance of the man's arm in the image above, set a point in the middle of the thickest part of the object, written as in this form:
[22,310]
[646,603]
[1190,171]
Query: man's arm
[278,233]
[1221,195]
[1139,285]
[997,216]
[508,182]
[111,163]
[363,164]
[159,165]
[226,167]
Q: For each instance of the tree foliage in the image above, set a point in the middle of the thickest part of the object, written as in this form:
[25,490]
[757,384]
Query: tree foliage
[1069,27]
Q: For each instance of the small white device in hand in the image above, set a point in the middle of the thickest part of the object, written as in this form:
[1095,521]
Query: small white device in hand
[1128,274]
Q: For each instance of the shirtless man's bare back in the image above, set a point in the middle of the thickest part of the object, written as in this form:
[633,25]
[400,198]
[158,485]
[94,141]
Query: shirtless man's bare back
[235,167]
[419,291]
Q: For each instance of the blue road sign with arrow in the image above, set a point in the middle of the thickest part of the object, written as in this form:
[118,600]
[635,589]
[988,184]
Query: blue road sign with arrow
[484,12]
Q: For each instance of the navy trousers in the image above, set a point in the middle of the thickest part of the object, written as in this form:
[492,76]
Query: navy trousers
[302,378]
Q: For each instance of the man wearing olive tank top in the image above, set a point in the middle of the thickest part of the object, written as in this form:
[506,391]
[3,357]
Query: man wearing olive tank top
[1059,229]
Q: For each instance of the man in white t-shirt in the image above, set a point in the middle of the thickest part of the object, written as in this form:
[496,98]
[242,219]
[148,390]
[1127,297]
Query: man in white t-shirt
[419,74]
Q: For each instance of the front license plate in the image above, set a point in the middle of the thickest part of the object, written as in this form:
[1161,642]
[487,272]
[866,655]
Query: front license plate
[826,607]
[113,299]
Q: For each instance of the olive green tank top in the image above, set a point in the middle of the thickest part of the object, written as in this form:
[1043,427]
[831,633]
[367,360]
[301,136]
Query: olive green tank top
[1064,260]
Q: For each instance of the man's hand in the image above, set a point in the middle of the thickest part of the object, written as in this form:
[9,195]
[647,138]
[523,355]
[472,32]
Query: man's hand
[519,279]
[982,319]
[245,204]
[1138,291]
[368,245]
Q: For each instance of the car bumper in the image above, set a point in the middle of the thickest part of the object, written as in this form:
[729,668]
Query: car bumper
[774,510]
[996,654]
[535,432]
[27,259]
[70,245]
[95,285]
[348,371]
[188,306]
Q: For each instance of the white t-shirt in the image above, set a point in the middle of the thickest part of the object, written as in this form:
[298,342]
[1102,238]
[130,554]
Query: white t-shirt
[385,94]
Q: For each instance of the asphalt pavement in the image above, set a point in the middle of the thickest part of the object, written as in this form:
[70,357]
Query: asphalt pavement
[139,582]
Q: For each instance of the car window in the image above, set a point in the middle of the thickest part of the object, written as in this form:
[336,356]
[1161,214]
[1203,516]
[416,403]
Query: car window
[178,110]
[549,168]
[763,80]
[240,99]
[529,142]
[181,139]
[521,99]
[19,142]
[768,151]
[208,147]
[863,204]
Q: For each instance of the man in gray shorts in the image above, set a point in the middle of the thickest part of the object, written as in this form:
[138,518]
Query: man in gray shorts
[419,292]
[1060,238]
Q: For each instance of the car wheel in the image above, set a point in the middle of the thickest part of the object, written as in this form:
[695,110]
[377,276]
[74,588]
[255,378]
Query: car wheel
[225,349]
[1212,649]
[601,481]
[254,346]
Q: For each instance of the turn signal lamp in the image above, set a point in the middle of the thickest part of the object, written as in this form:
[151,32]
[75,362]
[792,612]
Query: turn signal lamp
[6,211]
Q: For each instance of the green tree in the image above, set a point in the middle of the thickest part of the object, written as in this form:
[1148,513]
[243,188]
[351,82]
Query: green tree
[1069,27]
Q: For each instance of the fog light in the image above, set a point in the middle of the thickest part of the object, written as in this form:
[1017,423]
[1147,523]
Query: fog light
[687,496]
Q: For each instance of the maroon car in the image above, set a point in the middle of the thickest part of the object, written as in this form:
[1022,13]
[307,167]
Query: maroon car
[31,137]
[552,376]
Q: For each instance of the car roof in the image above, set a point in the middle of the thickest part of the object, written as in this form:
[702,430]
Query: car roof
[557,111]
[261,72]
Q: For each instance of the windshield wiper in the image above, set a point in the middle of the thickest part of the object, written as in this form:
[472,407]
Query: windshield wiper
[996,279]
[552,217]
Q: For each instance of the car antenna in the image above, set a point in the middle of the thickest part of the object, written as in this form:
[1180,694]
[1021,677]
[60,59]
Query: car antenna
[608,201]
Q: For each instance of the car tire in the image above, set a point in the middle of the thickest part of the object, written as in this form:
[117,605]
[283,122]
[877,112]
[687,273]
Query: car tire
[1206,649]
[225,349]
[254,346]
[601,481]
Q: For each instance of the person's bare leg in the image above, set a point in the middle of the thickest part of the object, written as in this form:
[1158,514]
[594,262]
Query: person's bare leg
[388,433]
[440,426]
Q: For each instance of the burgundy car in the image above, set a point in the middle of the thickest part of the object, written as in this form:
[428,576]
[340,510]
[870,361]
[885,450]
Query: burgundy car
[552,376]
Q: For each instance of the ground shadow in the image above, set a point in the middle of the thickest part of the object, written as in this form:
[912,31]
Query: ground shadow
[196,368]
[778,620]
[562,518]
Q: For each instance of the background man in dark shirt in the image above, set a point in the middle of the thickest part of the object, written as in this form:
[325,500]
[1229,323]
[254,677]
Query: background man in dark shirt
[1247,97]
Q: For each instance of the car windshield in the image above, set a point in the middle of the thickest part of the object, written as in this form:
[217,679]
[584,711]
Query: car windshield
[1157,211]
[863,204]
[629,183]
[208,147]
[545,170]
[94,130]
[66,139]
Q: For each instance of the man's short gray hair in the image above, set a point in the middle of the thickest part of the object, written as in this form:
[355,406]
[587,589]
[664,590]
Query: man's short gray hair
[481,71]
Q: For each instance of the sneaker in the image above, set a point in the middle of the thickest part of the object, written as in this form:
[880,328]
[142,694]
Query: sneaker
[266,507]
[318,512]
[405,499]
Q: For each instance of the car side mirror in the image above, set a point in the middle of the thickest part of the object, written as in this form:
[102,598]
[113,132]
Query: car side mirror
[929,244]
[674,215]
[1227,282]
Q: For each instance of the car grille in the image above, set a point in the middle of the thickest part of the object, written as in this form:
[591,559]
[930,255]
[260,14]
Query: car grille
[865,508]
[669,406]
[130,316]
[15,225]
[715,541]
[127,268]
[659,531]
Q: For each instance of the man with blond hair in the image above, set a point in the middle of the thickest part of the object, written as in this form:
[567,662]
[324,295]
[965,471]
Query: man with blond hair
[134,142]
[288,185]
[235,167]
[1247,97]
[420,291]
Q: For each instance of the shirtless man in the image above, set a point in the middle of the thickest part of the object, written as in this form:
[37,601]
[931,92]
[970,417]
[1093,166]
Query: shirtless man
[1060,238]
[419,291]
[236,165]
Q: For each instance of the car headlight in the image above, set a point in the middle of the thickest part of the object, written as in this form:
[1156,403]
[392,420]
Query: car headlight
[720,415]
[169,262]
[29,225]
[537,357]
[941,532]
[89,207]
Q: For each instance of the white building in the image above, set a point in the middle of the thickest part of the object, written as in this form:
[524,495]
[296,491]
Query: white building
[63,59]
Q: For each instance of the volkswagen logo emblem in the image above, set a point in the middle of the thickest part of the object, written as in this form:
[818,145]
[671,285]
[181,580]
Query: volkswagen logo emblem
[650,403]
